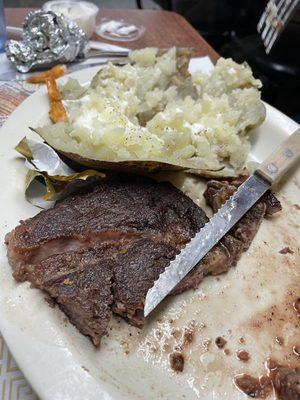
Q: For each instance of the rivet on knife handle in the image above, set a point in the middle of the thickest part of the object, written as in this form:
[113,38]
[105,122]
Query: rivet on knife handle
[275,166]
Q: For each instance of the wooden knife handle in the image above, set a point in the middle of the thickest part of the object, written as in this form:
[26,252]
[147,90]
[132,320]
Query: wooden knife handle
[276,165]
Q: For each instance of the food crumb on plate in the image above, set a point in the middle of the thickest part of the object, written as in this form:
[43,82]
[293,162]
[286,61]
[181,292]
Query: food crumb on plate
[279,340]
[189,333]
[286,250]
[296,350]
[242,355]
[254,387]
[220,342]
[242,340]
[177,361]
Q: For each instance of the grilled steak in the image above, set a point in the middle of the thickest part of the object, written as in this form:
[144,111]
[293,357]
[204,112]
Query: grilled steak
[112,212]
[110,241]
[99,250]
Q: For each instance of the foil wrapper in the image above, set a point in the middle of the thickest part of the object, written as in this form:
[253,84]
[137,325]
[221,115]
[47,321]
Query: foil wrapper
[48,177]
[48,39]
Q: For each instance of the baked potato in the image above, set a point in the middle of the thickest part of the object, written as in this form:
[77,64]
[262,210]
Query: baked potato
[151,114]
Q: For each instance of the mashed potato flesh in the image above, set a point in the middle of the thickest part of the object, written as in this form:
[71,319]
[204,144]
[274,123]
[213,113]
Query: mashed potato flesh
[209,128]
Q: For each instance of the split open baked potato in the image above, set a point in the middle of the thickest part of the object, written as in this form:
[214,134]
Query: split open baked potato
[151,114]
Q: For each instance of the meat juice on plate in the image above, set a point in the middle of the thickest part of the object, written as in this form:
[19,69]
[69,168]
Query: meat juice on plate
[249,307]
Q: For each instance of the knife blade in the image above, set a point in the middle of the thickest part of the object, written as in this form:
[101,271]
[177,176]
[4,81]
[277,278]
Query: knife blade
[222,221]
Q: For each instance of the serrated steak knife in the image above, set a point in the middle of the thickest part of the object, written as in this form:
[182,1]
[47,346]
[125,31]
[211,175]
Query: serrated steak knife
[271,170]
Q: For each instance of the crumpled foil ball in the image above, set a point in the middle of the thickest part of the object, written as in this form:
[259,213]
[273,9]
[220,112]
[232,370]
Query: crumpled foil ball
[48,38]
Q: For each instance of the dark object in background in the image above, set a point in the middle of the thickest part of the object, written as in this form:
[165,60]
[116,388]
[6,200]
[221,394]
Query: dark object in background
[216,19]
[279,71]
[230,26]
[165,4]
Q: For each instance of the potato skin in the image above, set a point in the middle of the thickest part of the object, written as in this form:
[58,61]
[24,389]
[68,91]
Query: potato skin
[150,166]
[125,166]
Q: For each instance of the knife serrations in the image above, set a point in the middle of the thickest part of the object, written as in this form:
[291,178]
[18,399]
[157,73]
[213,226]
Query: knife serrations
[220,223]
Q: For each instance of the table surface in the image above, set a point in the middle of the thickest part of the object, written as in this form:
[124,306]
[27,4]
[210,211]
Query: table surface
[162,29]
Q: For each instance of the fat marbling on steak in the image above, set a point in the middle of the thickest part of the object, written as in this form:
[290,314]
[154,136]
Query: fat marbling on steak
[98,251]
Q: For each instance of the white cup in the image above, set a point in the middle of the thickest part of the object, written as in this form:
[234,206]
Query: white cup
[82,12]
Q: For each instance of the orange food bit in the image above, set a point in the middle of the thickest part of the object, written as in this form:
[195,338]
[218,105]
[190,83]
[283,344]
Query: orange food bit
[53,91]
[57,111]
[55,72]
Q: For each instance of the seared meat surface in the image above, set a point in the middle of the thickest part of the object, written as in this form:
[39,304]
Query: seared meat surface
[137,268]
[101,249]
[98,251]
[217,192]
[227,252]
[80,283]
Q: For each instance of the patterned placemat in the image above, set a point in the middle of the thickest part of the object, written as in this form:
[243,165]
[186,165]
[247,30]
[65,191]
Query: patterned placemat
[13,385]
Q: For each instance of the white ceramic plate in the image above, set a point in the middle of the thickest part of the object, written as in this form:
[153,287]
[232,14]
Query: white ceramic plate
[61,364]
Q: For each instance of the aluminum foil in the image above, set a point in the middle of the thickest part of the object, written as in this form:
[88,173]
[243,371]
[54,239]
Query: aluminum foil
[48,38]
[48,177]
